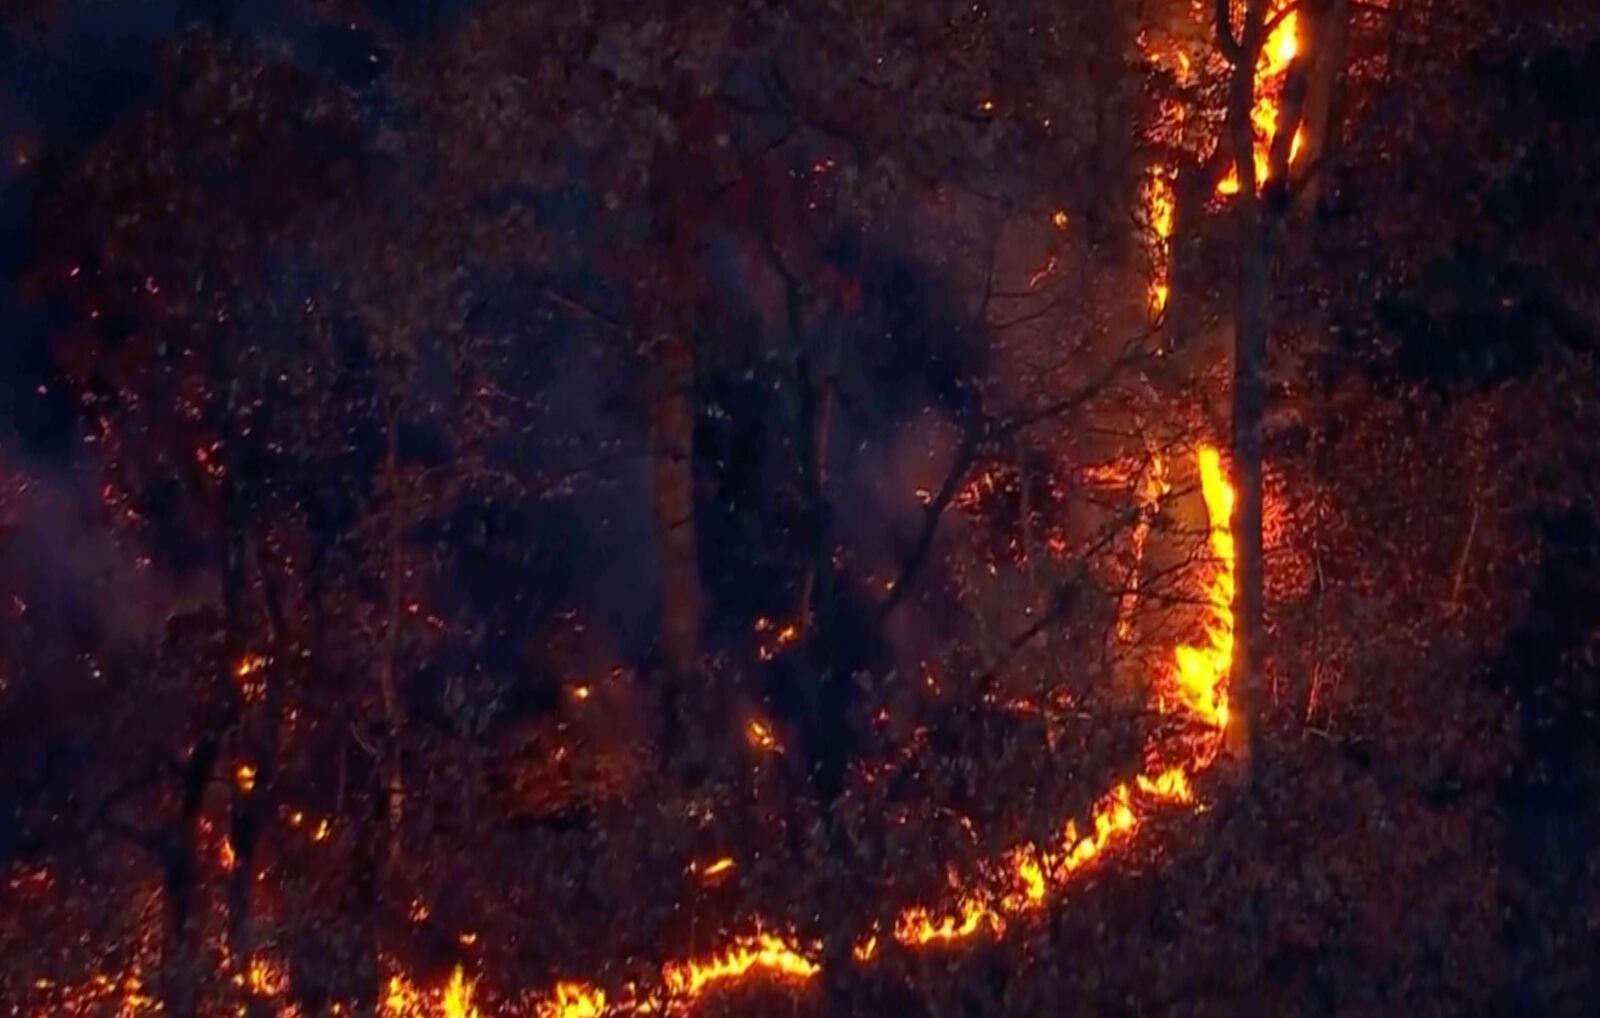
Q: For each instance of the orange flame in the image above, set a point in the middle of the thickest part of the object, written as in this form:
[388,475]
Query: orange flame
[402,999]
[457,1001]
[1279,51]
[574,1000]
[866,948]
[762,952]
[1160,209]
[1201,672]
[1171,785]
[918,926]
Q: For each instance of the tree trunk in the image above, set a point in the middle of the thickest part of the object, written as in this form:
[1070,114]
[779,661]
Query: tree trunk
[1249,398]
[672,455]
[252,808]
[815,410]
[1325,37]
[1191,189]
[1249,387]
[388,666]
[237,627]
[178,852]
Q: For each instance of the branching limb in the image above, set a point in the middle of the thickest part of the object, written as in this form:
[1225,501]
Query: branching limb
[1226,40]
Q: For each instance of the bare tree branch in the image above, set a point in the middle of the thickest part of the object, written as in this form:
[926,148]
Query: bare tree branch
[1226,41]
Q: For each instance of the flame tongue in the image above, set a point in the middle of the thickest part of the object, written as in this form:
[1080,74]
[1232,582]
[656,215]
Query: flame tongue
[762,952]
[1272,70]
[1202,671]
[574,1000]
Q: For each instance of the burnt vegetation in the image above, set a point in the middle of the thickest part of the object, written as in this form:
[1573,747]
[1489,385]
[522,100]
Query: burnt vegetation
[736,508]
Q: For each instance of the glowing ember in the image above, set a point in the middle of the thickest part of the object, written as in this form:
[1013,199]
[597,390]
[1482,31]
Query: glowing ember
[251,675]
[713,870]
[775,637]
[263,978]
[94,995]
[759,734]
[1153,487]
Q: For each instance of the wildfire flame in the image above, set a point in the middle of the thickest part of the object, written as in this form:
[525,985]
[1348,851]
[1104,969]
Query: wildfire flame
[1174,129]
[1202,671]
[402,999]
[918,926]
[1160,207]
[457,1001]
[574,1000]
[764,952]
[1279,51]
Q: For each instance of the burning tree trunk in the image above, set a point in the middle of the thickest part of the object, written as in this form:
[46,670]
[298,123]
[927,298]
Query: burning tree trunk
[1325,38]
[1249,371]
[672,462]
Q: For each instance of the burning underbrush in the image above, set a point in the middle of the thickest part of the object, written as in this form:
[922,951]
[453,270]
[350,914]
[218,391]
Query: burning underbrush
[952,830]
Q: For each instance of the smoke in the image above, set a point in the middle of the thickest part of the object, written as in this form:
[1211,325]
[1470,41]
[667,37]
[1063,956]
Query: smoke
[617,572]
[879,511]
[66,569]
